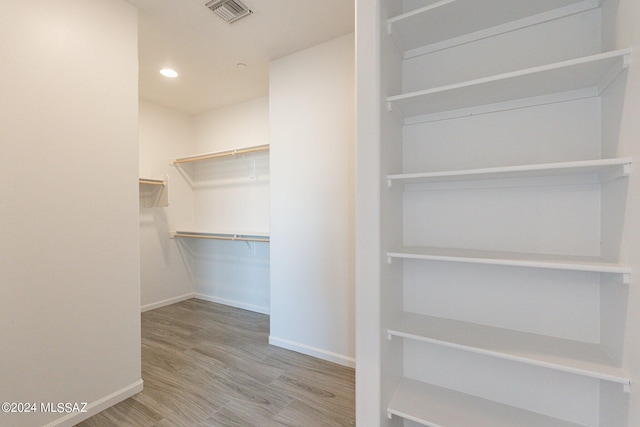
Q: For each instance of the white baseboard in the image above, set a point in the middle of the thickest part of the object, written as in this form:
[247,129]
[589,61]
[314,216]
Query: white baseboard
[98,406]
[313,351]
[233,303]
[169,301]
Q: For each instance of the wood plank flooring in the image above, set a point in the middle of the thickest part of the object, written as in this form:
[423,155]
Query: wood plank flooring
[210,365]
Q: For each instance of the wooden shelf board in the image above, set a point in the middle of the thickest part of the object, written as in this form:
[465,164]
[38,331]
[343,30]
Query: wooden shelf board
[218,154]
[605,168]
[574,357]
[154,192]
[435,406]
[590,73]
[240,236]
[453,22]
[151,181]
[516,259]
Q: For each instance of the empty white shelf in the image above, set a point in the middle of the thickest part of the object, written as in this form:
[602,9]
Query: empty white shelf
[575,357]
[448,23]
[605,169]
[581,78]
[217,154]
[244,237]
[435,406]
[516,259]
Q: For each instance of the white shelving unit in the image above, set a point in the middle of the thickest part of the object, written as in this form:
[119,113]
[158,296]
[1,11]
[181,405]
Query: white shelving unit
[225,235]
[225,239]
[154,192]
[423,110]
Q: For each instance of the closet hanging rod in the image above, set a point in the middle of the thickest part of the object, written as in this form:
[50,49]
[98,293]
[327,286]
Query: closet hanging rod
[221,236]
[150,181]
[214,155]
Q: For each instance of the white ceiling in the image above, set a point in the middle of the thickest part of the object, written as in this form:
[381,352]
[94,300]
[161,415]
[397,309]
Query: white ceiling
[204,49]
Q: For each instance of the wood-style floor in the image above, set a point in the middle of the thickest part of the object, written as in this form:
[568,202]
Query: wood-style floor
[206,364]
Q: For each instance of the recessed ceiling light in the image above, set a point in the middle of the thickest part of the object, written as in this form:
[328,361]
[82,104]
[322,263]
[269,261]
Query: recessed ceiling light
[168,72]
[241,66]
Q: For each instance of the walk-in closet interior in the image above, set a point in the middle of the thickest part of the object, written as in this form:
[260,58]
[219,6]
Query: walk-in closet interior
[441,194]
[247,177]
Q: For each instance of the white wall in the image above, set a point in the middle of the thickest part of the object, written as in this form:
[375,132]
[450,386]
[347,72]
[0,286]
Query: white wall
[231,195]
[622,18]
[312,201]
[239,125]
[166,271]
[228,194]
[368,183]
[69,257]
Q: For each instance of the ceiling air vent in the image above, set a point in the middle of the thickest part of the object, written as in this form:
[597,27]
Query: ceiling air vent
[229,10]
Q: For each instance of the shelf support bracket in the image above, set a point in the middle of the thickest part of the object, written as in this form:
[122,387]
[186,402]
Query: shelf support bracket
[613,73]
[251,166]
[389,415]
[389,260]
[396,112]
[621,279]
[626,388]
[620,171]
[623,171]
[252,246]
[626,278]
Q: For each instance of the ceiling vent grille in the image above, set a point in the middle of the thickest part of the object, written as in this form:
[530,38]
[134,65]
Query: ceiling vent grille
[229,10]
